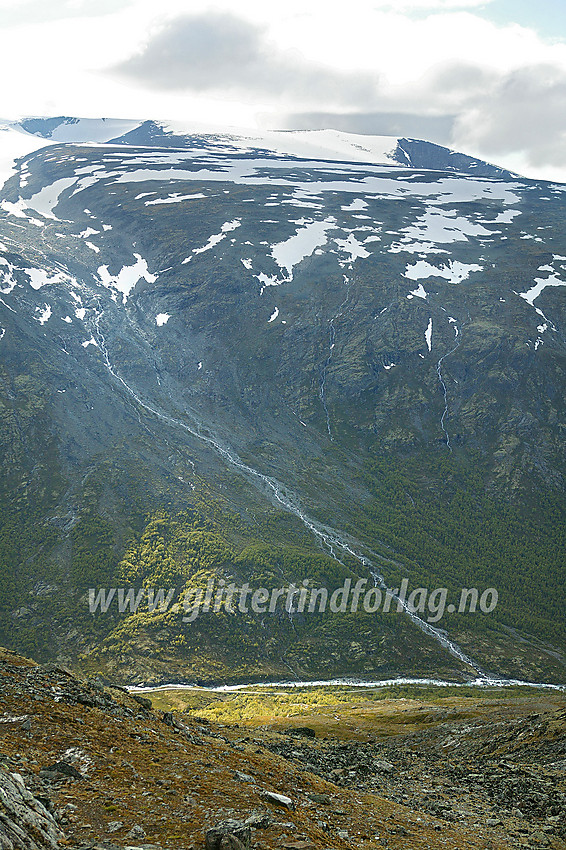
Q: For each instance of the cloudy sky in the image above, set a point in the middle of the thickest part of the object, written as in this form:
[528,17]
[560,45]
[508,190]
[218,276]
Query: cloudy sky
[487,77]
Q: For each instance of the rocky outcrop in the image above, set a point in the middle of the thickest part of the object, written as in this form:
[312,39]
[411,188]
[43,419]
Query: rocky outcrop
[25,824]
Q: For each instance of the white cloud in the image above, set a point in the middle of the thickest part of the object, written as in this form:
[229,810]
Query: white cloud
[520,115]
[411,5]
[17,12]
[224,53]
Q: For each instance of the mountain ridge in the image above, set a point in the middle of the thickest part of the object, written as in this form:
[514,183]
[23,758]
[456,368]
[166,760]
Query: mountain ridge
[326,144]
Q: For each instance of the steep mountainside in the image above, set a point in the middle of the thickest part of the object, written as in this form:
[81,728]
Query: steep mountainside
[220,359]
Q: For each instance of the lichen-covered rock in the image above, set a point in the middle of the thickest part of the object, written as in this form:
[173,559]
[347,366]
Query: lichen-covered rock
[25,824]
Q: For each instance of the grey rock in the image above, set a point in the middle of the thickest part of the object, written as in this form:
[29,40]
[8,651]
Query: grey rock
[258,820]
[136,832]
[383,766]
[278,799]
[229,835]
[322,799]
[300,732]
[60,770]
[25,824]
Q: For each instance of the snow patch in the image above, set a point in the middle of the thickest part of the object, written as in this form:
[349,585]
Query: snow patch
[310,236]
[505,217]
[13,718]
[428,335]
[7,306]
[454,272]
[444,227]
[162,319]
[540,285]
[418,293]
[44,315]
[127,277]
[215,238]
[175,198]
[39,278]
[415,248]
[352,247]
[17,209]
[7,278]
[47,198]
[357,204]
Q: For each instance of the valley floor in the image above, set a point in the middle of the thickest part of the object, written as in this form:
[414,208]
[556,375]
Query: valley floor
[406,770]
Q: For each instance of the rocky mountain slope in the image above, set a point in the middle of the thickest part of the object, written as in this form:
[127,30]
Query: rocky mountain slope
[92,766]
[246,358]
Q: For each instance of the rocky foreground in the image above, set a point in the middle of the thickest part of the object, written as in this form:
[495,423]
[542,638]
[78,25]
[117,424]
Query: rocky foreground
[85,765]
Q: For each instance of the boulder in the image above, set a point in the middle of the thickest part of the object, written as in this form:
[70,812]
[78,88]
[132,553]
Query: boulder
[229,835]
[300,732]
[60,770]
[278,799]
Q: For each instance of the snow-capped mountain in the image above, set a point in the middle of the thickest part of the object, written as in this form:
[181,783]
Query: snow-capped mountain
[328,328]
[313,144]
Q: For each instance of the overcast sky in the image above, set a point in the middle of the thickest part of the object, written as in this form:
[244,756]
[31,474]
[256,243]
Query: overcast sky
[487,78]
